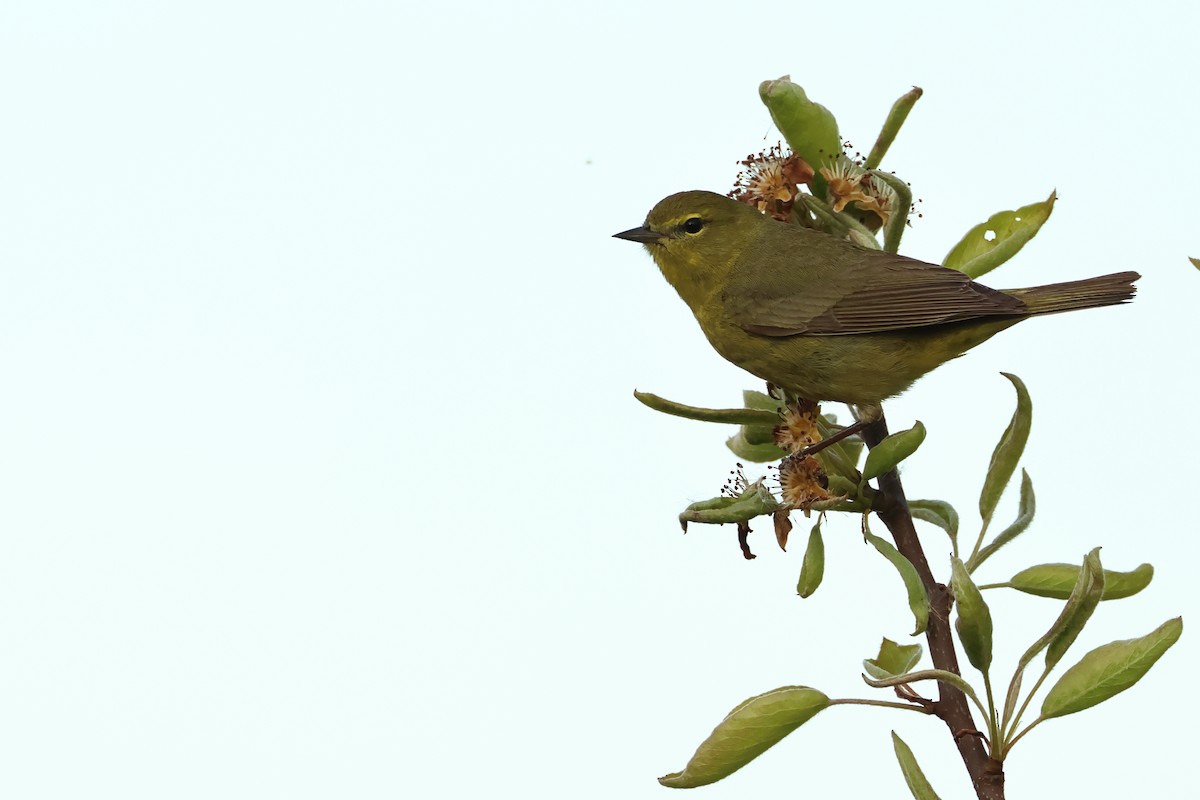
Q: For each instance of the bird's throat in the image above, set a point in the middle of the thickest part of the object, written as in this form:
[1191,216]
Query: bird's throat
[688,277]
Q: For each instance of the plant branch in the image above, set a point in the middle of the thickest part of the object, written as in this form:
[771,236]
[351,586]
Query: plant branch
[891,506]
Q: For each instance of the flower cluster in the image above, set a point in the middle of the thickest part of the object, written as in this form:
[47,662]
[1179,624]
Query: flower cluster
[802,481]
[770,181]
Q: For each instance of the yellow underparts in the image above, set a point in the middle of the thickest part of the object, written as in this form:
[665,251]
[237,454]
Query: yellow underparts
[854,368]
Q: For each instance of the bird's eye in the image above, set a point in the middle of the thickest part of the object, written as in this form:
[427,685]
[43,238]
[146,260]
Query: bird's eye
[693,225]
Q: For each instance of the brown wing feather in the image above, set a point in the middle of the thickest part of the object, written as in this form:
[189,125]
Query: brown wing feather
[891,293]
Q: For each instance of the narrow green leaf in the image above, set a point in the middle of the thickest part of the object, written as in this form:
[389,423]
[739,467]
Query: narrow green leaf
[1008,451]
[1078,609]
[918,600]
[809,128]
[1025,512]
[754,502]
[936,512]
[974,622]
[734,416]
[1057,580]
[891,126]
[1195,262]
[1014,692]
[1075,613]
[812,570]
[893,659]
[991,243]
[1109,670]
[757,453]
[918,784]
[891,451]
[746,733]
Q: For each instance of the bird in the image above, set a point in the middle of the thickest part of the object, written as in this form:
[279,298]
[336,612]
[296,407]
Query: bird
[827,319]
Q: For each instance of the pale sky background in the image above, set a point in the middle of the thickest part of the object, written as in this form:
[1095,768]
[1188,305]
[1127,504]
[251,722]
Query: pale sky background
[320,473]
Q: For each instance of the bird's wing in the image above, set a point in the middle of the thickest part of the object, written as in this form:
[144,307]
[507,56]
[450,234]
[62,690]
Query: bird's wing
[877,292]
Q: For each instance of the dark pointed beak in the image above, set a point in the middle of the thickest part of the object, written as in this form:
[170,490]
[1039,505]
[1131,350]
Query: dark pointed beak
[643,235]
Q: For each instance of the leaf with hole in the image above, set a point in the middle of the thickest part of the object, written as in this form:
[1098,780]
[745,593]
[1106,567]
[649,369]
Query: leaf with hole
[989,244]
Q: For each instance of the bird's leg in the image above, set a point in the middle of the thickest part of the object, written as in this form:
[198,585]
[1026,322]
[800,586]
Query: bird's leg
[865,414]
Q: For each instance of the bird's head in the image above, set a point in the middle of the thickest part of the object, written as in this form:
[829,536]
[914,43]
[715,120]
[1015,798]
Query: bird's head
[696,238]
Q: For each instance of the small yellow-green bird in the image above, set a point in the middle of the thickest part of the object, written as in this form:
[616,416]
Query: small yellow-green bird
[828,319]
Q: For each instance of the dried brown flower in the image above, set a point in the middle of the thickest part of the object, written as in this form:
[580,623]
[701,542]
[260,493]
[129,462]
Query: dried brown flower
[770,181]
[799,428]
[802,482]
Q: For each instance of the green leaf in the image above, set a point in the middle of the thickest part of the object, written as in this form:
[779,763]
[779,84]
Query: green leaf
[1195,262]
[809,128]
[734,416]
[758,434]
[1078,609]
[1008,451]
[891,126]
[754,502]
[991,243]
[746,733]
[974,623]
[1057,580]
[749,441]
[1109,670]
[918,784]
[1025,512]
[893,659]
[757,453]
[813,567]
[936,512]
[918,600]
[761,401]
[1075,613]
[891,451]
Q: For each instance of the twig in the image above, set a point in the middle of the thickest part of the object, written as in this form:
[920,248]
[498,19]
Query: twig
[891,506]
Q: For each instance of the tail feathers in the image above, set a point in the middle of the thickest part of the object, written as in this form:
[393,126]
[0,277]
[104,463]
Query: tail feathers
[1105,290]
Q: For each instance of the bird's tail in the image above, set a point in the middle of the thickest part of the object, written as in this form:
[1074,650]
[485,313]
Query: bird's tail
[1105,290]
